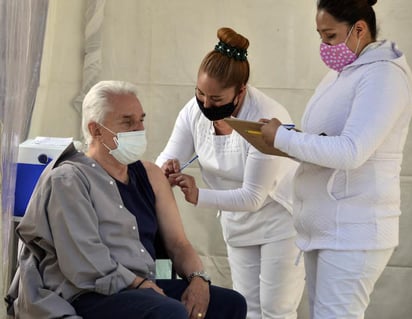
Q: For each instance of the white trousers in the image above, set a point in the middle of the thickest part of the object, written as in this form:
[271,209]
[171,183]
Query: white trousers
[268,278]
[339,283]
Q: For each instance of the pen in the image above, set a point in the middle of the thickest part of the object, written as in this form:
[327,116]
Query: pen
[254,132]
[288,126]
[188,163]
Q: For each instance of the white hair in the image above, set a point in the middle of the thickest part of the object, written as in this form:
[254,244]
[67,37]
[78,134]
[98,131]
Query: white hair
[96,102]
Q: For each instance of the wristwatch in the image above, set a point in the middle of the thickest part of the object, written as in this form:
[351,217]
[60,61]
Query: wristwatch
[200,274]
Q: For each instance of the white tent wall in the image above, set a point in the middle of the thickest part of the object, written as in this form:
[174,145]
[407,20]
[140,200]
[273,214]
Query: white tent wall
[159,44]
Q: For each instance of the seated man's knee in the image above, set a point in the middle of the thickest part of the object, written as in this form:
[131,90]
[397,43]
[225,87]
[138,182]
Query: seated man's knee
[239,305]
[226,303]
[171,309]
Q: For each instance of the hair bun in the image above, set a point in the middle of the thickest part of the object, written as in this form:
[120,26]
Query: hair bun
[372,2]
[232,38]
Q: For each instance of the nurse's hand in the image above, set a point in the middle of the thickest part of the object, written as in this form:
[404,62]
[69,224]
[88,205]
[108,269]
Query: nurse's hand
[269,130]
[188,186]
[170,167]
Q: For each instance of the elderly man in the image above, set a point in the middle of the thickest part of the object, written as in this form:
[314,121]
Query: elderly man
[91,225]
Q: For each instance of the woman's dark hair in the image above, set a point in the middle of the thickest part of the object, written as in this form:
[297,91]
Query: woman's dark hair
[351,11]
[226,68]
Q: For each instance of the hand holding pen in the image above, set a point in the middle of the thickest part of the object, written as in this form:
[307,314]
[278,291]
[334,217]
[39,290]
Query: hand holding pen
[286,126]
[269,130]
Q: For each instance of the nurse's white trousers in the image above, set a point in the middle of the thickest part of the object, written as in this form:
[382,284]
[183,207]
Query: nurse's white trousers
[340,282]
[266,275]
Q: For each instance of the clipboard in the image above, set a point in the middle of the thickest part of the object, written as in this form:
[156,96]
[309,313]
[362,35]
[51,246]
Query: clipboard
[250,131]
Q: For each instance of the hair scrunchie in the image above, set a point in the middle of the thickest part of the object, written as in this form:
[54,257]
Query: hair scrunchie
[231,52]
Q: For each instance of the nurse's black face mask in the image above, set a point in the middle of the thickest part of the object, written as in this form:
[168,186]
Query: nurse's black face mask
[215,113]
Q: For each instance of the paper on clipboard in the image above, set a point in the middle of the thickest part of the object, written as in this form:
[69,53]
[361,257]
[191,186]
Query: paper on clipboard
[250,130]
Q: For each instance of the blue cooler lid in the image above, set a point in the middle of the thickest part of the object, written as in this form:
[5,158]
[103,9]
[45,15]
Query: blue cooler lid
[26,179]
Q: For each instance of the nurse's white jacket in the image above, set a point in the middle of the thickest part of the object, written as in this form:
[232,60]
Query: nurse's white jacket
[251,189]
[347,188]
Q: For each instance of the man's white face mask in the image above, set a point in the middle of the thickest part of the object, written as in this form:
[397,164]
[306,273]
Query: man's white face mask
[130,145]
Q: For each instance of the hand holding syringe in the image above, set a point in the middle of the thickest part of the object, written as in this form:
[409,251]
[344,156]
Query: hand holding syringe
[188,163]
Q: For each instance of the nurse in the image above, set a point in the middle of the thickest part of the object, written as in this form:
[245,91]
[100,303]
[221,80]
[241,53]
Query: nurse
[347,202]
[250,189]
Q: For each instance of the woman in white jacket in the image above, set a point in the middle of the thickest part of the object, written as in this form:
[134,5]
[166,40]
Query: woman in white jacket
[247,187]
[347,188]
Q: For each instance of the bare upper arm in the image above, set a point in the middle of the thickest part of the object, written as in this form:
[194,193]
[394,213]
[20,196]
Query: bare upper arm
[169,219]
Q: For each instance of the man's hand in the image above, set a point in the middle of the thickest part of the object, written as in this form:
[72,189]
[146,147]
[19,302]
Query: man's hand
[196,298]
[142,283]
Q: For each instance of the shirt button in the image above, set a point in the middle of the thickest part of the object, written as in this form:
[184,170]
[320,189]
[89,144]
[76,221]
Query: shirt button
[111,183]
[142,250]
[134,227]
[120,206]
[93,165]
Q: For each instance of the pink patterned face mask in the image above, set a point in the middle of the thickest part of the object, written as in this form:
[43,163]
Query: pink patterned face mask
[338,56]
